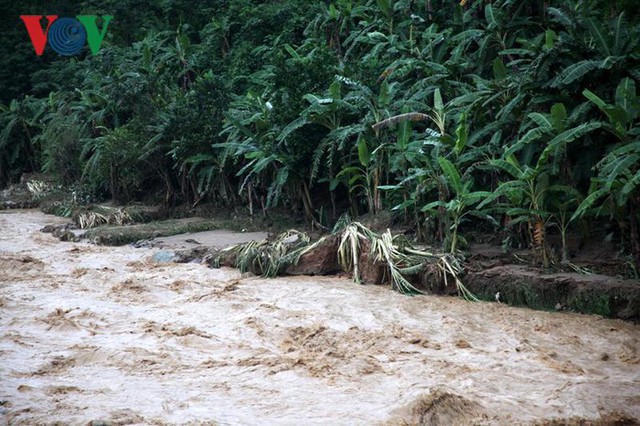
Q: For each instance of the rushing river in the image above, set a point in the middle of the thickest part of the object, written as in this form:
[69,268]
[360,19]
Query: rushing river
[102,333]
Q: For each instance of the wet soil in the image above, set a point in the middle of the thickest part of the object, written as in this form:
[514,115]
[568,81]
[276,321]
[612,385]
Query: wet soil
[594,283]
[214,240]
[94,333]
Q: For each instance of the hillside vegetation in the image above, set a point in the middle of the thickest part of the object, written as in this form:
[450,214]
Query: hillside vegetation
[513,116]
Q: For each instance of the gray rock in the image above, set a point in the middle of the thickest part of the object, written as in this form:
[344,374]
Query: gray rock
[163,256]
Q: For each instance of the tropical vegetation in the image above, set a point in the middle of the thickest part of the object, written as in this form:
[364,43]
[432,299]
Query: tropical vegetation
[515,116]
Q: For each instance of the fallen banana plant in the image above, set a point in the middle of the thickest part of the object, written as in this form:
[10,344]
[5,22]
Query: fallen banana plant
[38,188]
[357,244]
[120,217]
[271,258]
[103,215]
[91,220]
[449,266]
[398,257]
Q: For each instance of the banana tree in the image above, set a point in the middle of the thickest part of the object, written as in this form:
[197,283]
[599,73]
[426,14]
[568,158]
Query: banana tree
[372,151]
[531,198]
[252,137]
[329,111]
[525,195]
[363,177]
[21,122]
[618,178]
[460,206]
[431,170]
[546,136]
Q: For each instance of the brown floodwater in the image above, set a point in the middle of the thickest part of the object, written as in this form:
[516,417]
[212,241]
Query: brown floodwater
[102,333]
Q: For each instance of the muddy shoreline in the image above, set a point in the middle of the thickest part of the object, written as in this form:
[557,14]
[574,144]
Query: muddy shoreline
[93,333]
[600,280]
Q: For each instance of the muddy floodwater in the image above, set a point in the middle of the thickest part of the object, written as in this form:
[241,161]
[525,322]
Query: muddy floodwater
[102,333]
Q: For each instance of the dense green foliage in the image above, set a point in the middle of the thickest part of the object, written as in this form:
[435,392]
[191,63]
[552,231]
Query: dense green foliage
[519,114]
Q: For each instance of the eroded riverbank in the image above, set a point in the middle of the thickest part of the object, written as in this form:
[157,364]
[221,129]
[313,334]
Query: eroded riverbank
[101,333]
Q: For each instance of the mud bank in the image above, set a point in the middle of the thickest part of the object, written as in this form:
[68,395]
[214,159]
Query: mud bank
[488,274]
[101,333]
[593,294]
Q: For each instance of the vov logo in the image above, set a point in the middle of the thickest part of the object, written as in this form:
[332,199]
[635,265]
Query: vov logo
[66,36]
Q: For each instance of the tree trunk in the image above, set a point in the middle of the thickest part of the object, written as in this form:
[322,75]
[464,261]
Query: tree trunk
[634,231]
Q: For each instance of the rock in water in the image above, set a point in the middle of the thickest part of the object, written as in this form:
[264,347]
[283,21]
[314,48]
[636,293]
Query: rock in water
[163,256]
[48,229]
